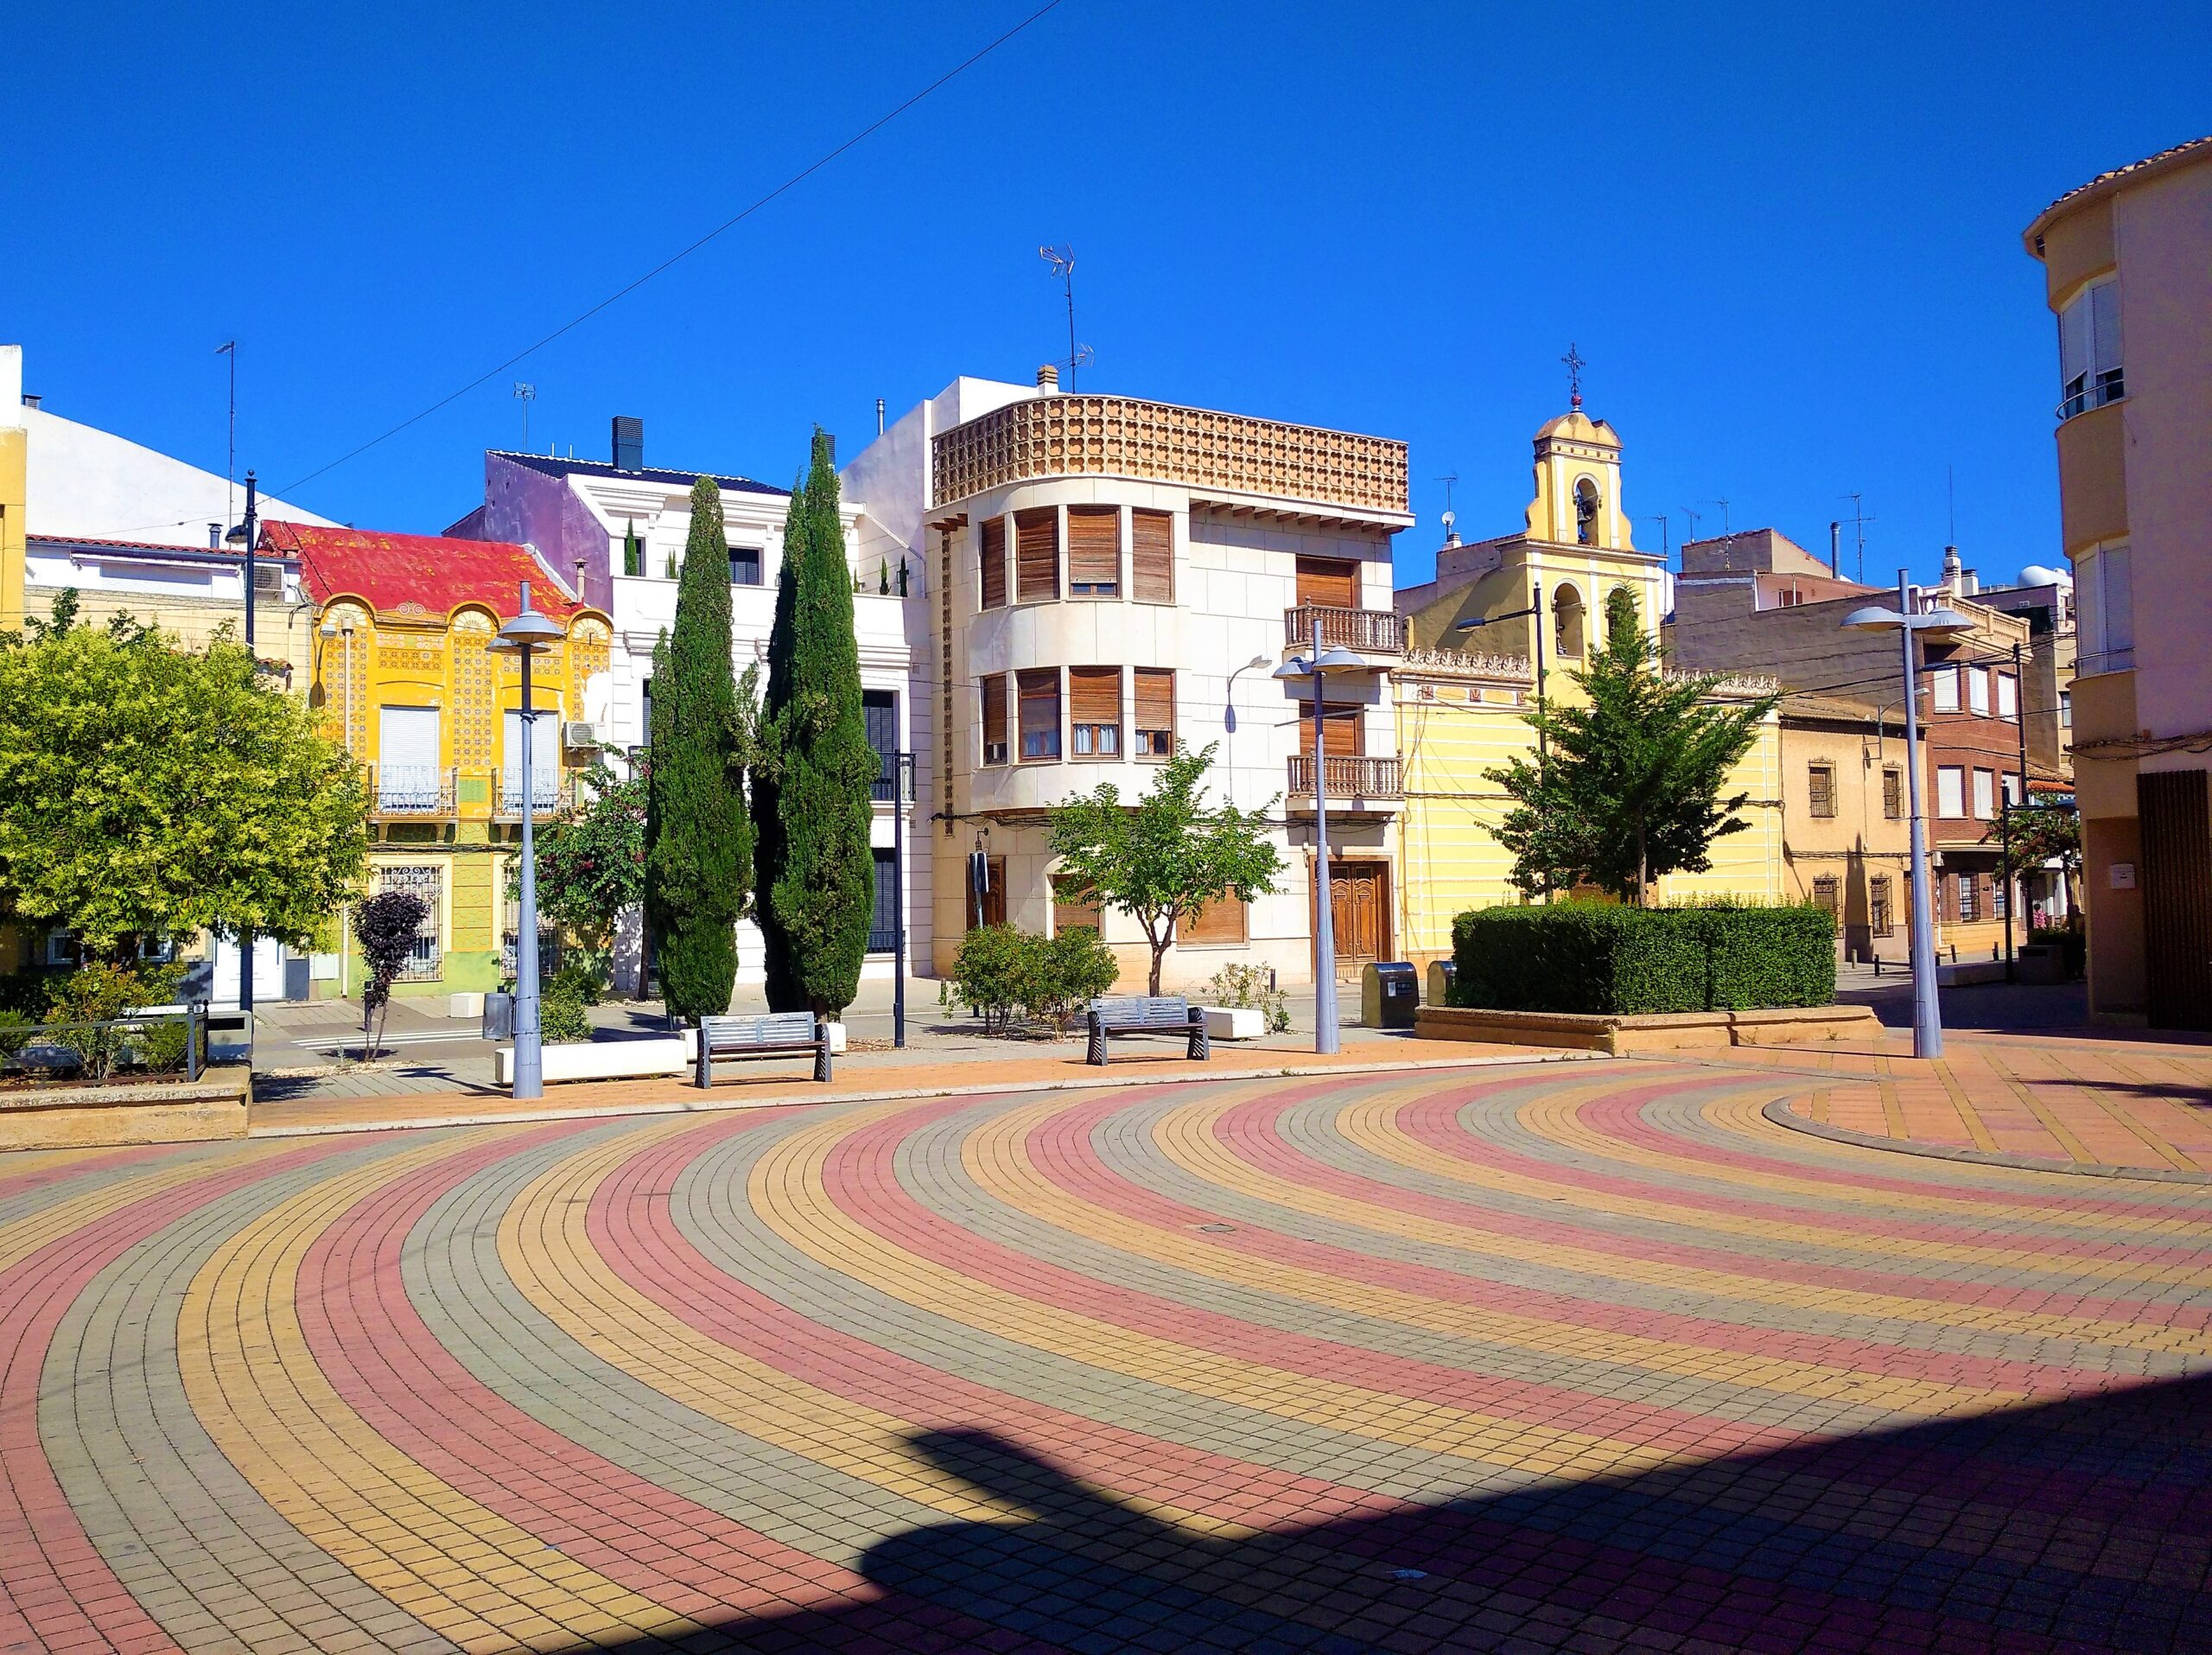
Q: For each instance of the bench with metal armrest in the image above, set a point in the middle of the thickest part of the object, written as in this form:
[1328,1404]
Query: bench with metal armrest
[1146,1013]
[780,1033]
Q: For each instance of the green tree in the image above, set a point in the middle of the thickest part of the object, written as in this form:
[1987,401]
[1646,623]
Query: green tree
[699,839]
[1168,854]
[818,875]
[1630,789]
[146,791]
[2040,835]
[591,862]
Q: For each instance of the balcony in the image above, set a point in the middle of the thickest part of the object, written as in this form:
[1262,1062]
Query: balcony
[410,793]
[550,791]
[1350,777]
[1364,632]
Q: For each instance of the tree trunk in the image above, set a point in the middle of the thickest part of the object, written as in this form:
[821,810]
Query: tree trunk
[1642,869]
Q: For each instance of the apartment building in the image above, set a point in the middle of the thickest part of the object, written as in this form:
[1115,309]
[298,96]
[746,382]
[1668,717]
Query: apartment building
[1107,578]
[1846,826]
[616,529]
[2127,267]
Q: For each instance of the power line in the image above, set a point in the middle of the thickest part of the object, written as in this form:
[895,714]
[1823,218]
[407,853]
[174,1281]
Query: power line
[673,259]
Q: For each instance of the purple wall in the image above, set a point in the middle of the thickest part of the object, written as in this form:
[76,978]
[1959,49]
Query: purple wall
[525,505]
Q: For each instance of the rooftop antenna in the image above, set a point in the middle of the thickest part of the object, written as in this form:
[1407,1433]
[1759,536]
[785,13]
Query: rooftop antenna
[1574,364]
[1722,502]
[1062,259]
[1951,500]
[1859,520]
[230,348]
[525,394]
[1693,516]
[1451,517]
[1662,521]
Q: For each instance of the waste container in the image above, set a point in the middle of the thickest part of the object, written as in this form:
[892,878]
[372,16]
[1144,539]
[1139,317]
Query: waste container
[2043,962]
[1389,994]
[499,1016]
[1442,974]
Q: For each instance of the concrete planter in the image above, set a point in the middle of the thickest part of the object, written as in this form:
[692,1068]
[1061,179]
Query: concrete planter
[467,1006]
[140,1111]
[603,1060]
[1234,1022]
[1675,1031]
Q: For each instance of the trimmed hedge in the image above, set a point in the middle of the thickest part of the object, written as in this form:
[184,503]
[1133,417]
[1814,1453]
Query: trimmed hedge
[1579,957]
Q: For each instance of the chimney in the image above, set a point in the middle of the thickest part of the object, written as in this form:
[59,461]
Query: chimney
[214,536]
[31,399]
[629,444]
[879,417]
[1835,551]
[1048,378]
[1954,574]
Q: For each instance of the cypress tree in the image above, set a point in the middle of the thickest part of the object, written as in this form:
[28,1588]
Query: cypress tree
[699,838]
[816,874]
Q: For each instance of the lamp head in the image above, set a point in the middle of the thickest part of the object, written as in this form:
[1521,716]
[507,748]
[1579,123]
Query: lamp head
[1296,667]
[327,630]
[1942,623]
[1874,618]
[236,535]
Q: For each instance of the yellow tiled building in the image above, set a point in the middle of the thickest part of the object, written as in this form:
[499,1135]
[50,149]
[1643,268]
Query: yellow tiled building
[1469,680]
[404,674]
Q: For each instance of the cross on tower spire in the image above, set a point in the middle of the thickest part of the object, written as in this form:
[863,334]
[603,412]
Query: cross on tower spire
[1575,364]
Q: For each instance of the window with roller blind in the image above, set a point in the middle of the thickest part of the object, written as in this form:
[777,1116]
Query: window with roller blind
[1154,696]
[995,719]
[990,554]
[1944,681]
[1978,691]
[1822,778]
[1094,551]
[1037,554]
[1094,712]
[1039,695]
[1225,920]
[1950,790]
[1075,906]
[1344,731]
[1151,557]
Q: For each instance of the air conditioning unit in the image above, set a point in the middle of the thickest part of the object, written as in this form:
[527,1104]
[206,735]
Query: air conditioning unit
[577,735]
[267,580]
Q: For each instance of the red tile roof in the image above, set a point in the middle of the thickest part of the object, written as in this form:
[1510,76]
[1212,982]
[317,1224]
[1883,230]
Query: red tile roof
[2105,182]
[432,571]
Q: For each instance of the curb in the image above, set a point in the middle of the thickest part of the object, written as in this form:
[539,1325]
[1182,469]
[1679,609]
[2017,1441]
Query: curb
[589,1111]
[1781,1114]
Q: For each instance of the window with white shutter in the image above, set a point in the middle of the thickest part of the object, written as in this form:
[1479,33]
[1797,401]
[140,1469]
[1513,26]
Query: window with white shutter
[1950,790]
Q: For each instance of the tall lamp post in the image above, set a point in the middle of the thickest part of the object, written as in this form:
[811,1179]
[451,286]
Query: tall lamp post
[524,636]
[244,534]
[1317,666]
[902,767]
[1927,1010]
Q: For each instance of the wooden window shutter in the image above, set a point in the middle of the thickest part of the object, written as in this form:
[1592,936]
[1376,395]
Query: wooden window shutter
[1893,794]
[1040,712]
[1094,694]
[1155,711]
[1344,731]
[995,719]
[1222,921]
[1037,554]
[1326,582]
[1094,551]
[991,556]
[1822,778]
[1151,557]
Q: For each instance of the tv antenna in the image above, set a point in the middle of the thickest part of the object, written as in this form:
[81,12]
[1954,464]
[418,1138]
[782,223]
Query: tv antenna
[230,348]
[525,394]
[1450,480]
[1662,520]
[1694,517]
[1722,502]
[1858,519]
[1061,257]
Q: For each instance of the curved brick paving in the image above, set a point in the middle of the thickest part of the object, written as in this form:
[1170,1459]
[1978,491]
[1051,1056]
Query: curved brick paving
[1533,1358]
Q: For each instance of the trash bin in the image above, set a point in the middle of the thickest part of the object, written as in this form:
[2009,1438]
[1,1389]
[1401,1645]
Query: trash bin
[1388,996]
[499,1016]
[1442,974]
[2043,962]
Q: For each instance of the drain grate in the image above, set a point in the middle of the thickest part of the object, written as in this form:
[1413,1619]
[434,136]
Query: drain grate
[1218,1228]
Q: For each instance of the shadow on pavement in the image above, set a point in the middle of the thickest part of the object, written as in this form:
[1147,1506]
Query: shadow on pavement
[2084,1523]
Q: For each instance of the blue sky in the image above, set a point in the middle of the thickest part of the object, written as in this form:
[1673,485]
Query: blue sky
[1787,243]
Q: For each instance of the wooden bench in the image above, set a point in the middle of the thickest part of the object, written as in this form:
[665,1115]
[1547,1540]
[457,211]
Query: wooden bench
[1146,1013]
[780,1034]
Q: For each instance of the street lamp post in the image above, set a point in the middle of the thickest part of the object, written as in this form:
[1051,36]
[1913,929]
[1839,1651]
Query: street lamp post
[527,633]
[1927,1010]
[902,766]
[245,532]
[1317,666]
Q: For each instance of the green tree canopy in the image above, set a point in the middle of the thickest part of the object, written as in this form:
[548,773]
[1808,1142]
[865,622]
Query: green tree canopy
[1166,856]
[591,859]
[146,791]
[1630,789]
[699,835]
[818,875]
[2040,834]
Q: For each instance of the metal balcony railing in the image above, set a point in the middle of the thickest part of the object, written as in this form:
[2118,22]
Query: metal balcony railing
[1348,776]
[2084,393]
[420,791]
[548,791]
[1366,632]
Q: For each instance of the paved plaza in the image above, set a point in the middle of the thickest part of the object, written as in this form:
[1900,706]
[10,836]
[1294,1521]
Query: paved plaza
[1575,1356]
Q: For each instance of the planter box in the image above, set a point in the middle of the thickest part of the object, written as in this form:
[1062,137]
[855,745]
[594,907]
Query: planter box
[143,1111]
[1234,1022]
[465,1006]
[603,1060]
[1675,1031]
[1969,971]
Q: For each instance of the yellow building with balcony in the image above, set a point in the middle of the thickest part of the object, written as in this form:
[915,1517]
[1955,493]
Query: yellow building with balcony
[404,675]
[1507,618]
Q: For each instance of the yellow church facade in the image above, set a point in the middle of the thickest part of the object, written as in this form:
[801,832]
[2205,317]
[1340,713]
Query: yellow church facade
[1500,615]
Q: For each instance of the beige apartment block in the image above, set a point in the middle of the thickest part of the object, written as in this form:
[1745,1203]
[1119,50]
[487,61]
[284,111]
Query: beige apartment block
[2127,262]
[1847,824]
[1111,578]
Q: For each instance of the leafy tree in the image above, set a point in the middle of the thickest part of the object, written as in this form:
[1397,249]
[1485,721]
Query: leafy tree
[699,838]
[818,875]
[1168,856]
[1629,791]
[149,792]
[385,925]
[591,861]
[2040,834]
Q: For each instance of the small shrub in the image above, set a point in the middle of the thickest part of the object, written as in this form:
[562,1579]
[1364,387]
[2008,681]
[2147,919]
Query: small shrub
[162,1047]
[102,993]
[1246,986]
[1070,970]
[581,977]
[15,1034]
[1000,971]
[1616,961]
[990,974]
[561,1019]
[28,992]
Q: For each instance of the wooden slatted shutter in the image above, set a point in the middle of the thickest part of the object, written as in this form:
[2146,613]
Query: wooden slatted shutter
[1225,920]
[1151,557]
[1326,582]
[1155,710]
[1037,554]
[995,719]
[992,557]
[1094,712]
[1822,778]
[1040,712]
[1094,551]
[1344,731]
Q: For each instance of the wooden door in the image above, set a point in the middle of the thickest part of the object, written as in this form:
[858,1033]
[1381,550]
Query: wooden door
[991,909]
[1359,909]
[2176,883]
[1329,583]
